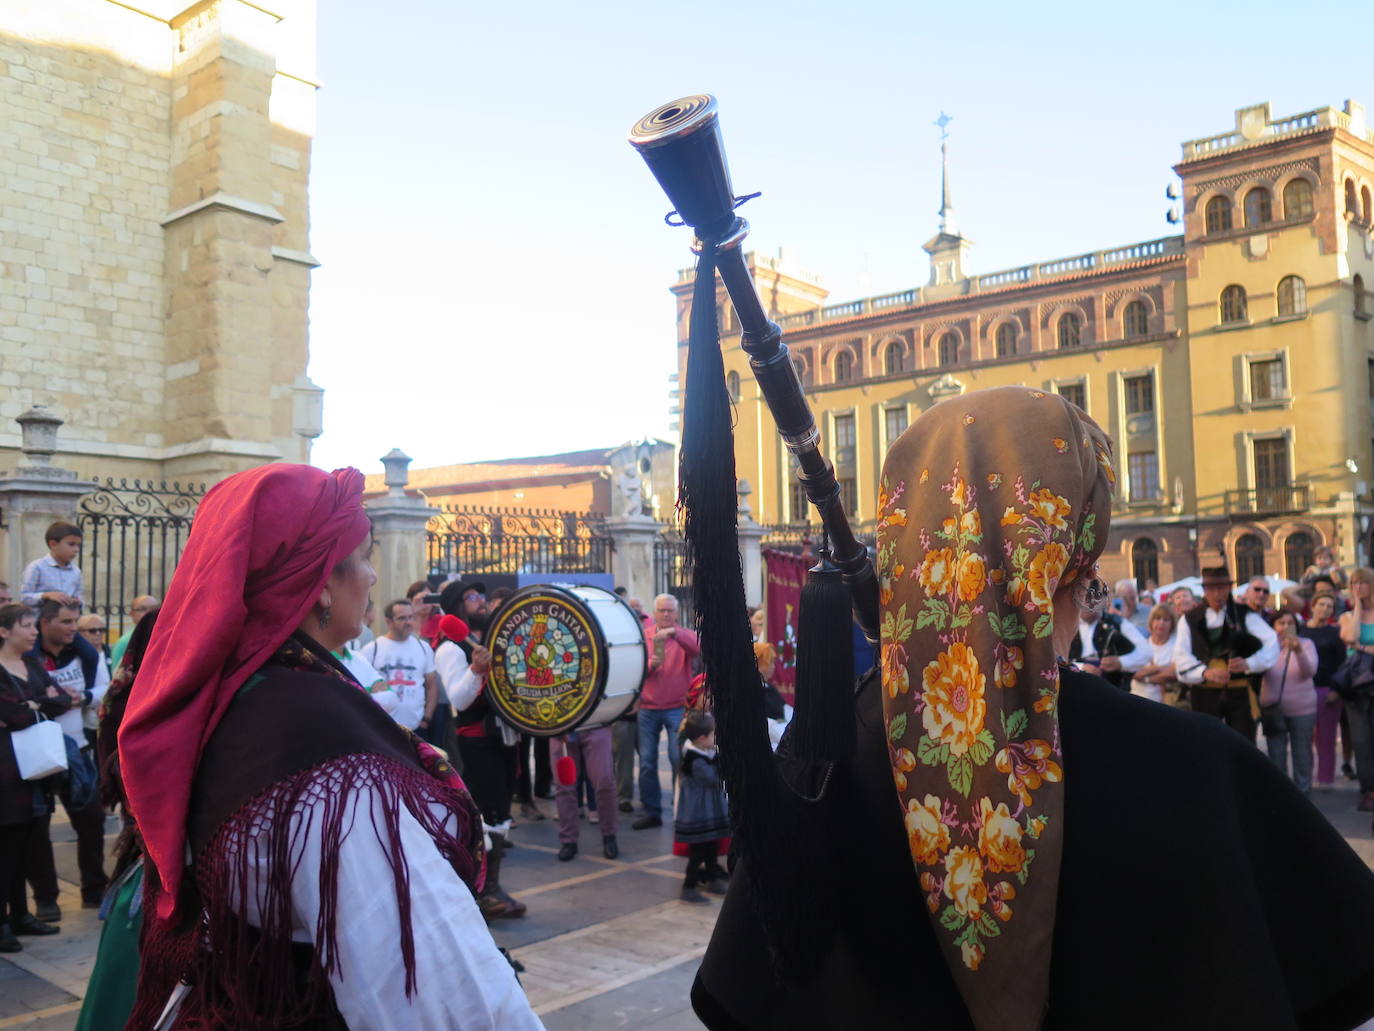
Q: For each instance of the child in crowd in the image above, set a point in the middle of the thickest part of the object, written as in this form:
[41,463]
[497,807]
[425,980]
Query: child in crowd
[55,575]
[700,822]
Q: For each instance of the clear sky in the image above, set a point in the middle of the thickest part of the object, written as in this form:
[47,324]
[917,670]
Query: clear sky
[495,265]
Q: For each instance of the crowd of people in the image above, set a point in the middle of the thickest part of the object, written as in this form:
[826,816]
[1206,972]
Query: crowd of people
[1265,665]
[55,665]
[1231,655]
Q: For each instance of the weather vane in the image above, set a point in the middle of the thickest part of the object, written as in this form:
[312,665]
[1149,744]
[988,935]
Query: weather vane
[943,121]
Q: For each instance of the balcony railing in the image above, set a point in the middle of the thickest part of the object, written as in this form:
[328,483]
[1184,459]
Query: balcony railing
[1165,247]
[1268,501]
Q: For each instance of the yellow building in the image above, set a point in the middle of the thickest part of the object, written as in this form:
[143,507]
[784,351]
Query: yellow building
[1233,365]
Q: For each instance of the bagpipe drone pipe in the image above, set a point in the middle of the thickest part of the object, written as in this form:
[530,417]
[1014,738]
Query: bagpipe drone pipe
[786,823]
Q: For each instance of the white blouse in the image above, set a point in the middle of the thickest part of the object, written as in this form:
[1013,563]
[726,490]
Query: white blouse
[462,982]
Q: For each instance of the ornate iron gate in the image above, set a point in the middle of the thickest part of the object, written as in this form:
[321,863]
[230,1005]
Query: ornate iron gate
[133,535]
[464,542]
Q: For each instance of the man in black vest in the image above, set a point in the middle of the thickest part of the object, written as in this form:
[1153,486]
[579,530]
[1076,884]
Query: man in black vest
[1222,648]
[1111,647]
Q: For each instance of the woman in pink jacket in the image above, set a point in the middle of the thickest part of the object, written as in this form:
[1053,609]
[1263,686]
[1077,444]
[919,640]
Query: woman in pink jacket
[1288,699]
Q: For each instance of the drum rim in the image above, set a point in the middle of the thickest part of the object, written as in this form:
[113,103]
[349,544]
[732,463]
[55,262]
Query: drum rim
[606,649]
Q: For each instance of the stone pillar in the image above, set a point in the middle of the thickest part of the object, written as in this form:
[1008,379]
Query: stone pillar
[398,524]
[1349,540]
[750,536]
[232,354]
[35,495]
[632,562]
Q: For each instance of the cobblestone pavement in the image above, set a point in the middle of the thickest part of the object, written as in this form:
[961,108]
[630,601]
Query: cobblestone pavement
[606,944]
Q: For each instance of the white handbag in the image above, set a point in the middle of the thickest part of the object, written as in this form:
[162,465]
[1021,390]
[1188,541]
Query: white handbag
[39,751]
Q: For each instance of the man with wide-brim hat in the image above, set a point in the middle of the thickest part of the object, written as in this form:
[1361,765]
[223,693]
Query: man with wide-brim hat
[485,744]
[1221,650]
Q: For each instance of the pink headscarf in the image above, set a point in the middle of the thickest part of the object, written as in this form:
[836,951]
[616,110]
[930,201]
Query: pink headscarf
[260,552]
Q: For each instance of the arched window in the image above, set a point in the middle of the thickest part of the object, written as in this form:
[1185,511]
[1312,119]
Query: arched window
[1297,199]
[801,362]
[1299,552]
[1249,557]
[1358,284]
[1352,205]
[894,358]
[1070,329]
[949,349]
[1366,208]
[1144,561]
[1292,295]
[1258,209]
[1233,308]
[844,367]
[1006,340]
[732,385]
[1135,320]
[1218,215]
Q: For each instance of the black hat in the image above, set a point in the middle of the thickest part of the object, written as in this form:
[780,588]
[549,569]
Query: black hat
[451,597]
[1216,576]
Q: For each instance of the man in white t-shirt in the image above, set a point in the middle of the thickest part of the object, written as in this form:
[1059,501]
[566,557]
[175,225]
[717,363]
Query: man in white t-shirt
[407,664]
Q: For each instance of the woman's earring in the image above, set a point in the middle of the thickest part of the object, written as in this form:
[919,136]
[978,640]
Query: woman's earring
[326,614]
[1090,595]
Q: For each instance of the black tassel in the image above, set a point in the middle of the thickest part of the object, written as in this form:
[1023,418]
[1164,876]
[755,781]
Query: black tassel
[767,832]
[822,727]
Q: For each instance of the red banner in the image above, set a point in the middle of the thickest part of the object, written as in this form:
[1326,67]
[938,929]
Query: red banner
[784,576]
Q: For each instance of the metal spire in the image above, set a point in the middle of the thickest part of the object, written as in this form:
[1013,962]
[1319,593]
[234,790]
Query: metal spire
[947,223]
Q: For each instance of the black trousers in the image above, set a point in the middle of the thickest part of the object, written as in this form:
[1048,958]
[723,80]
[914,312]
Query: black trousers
[701,862]
[525,786]
[489,773]
[440,728]
[89,825]
[1231,705]
[14,849]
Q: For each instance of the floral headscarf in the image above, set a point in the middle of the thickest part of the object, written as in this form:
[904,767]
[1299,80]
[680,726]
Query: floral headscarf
[989,504]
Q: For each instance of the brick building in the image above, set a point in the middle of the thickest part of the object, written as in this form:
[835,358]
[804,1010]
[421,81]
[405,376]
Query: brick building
[154,250]
[1233,364]
[597,481]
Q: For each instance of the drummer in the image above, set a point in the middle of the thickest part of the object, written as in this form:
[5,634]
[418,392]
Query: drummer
[486,744]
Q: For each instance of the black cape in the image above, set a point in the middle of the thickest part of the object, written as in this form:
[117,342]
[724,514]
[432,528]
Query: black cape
[1198,889]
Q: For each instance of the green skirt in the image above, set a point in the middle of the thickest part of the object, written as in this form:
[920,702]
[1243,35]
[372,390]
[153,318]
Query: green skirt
[114,980]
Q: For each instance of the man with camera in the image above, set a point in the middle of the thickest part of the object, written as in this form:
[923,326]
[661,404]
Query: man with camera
[671,651]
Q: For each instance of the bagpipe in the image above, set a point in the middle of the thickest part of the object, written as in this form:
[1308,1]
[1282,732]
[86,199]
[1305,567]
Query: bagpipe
[681,143]
[787,815]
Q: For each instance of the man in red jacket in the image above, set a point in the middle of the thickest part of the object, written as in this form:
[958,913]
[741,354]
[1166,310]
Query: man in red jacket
[671,651]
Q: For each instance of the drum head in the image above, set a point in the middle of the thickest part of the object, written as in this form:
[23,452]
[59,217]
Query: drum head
[548,661]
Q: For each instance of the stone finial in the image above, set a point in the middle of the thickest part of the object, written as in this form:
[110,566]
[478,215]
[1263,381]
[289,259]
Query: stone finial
[38,428]
[397,465]
[743,490]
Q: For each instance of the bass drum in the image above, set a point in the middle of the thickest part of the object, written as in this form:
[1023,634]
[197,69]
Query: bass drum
[563,657]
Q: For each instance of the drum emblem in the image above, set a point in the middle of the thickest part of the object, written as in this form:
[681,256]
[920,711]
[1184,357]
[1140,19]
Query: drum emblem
[546,664]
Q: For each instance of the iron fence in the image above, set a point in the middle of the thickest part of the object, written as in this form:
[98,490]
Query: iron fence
[470,541]
[673,573]
[803,539]
[132,538]
[793,538]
